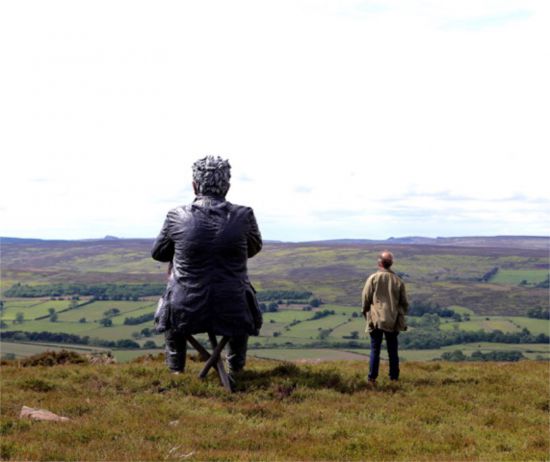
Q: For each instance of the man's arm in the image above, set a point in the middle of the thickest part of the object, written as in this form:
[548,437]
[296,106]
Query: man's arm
[403,302]
[253,237]
[163,248]
[366,296]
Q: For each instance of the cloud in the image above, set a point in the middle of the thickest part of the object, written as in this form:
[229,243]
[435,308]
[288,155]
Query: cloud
[245,178]
[302,189]
[484,22]
[363,118]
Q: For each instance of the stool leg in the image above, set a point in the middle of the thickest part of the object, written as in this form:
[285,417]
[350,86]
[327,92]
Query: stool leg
[215,360]
[203,353]
[215,357]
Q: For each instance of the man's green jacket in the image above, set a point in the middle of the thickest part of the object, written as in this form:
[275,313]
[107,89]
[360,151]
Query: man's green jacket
[385,302]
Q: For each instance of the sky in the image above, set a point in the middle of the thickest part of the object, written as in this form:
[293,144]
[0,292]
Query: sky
[341,119]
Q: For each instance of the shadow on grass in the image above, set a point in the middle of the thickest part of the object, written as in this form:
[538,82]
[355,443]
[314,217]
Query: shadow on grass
[286,377]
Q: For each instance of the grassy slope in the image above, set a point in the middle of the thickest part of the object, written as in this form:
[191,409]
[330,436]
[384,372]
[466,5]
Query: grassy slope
[138,411]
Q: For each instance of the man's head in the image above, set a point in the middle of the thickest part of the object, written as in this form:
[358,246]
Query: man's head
[211,176]
[385,259]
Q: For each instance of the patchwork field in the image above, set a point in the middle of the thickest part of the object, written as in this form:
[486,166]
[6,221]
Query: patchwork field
[294,332]
[492,283]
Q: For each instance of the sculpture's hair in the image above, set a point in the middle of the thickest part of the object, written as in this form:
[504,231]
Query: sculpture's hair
[211,175]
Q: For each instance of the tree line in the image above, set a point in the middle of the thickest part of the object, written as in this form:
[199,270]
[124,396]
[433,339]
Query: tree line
[280,295]
[98,291]
[60,337]
[458,355]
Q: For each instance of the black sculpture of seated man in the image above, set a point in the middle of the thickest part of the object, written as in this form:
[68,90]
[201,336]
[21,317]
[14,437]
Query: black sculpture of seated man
[209,242]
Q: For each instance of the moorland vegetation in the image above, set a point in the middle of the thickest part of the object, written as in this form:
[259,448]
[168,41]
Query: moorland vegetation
[280,411]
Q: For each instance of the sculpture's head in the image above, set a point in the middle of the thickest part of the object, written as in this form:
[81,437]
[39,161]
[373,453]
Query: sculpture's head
[211,176]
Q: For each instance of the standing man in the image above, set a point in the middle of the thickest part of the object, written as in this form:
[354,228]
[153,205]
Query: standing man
[384,306]
[208,243]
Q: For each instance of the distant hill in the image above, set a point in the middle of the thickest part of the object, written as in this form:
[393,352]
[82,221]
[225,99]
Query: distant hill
[517,242]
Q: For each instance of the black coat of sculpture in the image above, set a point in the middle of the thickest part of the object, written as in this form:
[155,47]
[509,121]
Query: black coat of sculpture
[209,242]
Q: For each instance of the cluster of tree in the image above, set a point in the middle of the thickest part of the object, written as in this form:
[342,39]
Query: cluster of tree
[314,302]
[272,307]
[111,312]
[544,284]
[145,332]
[354,335]
[489,274]
[98,291]
[52,315]
[279,295]
[324,334]
[418,308]
[458,355]
[539,313]
[321,314]
[432,338]
[131,321]
[59,337]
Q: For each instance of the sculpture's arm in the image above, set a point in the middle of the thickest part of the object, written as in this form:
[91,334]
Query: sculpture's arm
[163,248]
[253,237]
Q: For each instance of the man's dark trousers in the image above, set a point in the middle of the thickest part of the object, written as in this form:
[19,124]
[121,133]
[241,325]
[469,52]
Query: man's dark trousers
[375,345]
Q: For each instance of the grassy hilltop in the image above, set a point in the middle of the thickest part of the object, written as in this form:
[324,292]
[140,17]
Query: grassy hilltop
[281,411]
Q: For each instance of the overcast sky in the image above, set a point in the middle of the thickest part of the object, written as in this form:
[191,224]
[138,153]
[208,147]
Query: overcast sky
[341,119]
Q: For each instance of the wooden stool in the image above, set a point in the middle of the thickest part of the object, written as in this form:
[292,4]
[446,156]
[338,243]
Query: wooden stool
[212,359]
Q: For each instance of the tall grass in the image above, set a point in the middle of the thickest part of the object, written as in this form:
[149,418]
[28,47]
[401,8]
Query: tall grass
[281,411]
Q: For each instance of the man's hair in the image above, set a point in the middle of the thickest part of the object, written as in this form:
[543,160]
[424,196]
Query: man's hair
[385,259]
[211,175]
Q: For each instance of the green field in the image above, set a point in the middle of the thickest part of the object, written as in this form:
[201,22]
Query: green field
[95,311]
[277,330]
[31,308]
[502,323]
[515,277]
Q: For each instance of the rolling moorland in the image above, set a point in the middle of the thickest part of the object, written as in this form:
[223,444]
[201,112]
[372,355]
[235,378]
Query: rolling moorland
[471,296]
